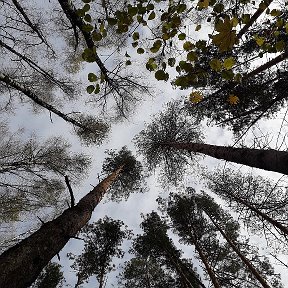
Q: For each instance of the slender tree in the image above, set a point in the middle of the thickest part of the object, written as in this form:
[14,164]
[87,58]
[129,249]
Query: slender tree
[156,243]
[146,272]
[259,202]
[102,242]
[32,173]
[219,258]
[224,223]
[21,264]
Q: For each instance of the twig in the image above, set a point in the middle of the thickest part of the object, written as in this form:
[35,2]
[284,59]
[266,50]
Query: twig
[70,191]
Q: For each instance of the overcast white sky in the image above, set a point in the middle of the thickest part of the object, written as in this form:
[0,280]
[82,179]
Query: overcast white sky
[122,134]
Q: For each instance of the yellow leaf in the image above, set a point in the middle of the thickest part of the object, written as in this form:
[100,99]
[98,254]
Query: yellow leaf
[195,97]
[216,64]
[259,40]
[226,37]
[203,4]
[233,99]
[229,63]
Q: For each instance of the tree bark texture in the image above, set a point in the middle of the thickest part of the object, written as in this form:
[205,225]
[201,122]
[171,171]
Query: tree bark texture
[271,160]
[21,264]
[241,256]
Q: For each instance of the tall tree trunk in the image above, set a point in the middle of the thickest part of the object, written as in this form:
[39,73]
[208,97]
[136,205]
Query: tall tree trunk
[261,214]
[207,266]
[21,264]
[271,160]
[241,256]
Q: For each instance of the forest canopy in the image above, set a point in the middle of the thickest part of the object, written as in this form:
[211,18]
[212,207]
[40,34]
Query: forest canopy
[182,101]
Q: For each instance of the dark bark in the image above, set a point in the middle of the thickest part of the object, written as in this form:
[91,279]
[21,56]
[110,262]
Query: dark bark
[241,256]
[206,264]
[271,160]
[21,264]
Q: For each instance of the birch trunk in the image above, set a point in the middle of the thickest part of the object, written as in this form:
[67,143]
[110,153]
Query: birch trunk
[21,264]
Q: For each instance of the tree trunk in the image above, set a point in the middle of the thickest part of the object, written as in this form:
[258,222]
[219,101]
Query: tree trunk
[271,160]
[21,264]
[207,266]
[261,214]
[241,256]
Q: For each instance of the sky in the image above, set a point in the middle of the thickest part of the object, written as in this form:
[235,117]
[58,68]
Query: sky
[122,134]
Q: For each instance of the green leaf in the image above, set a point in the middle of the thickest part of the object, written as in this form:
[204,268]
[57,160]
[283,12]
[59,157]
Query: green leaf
[161,75]
[135,44]
[181,36]
[198,27]
[87,28]
[152,15]
[90,89]
[97,90]
[92,77]
[127,55]
[96,36]
[227,74]
[188,46]
[229,63]
[87,18]
[192,56]
[128,62]
[112,21]
[280,46]
[135,36]
[171,62]
[216,64]
[86,8]
[140,50]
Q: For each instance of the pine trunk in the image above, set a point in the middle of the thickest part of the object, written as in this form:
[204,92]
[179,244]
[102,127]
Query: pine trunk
[241,256]
[21,264]
[271,160]
[207,266]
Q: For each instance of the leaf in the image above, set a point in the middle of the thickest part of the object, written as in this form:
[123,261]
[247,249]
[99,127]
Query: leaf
[195,97]
[203,4]
[161,75]
[90,89]
[128,62]
[97,90]
[96,36]
[259,40]
[233,99]
[135,36]
[140,51]
[112,21]
[226,38]
[92,77]
[227,74]
[188,46]
[229,63]
[152,15]
[127,55]
[280,46]
[192,56]
[198,27]
[181,36]
[87,18]
[171,62]
[216,64]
